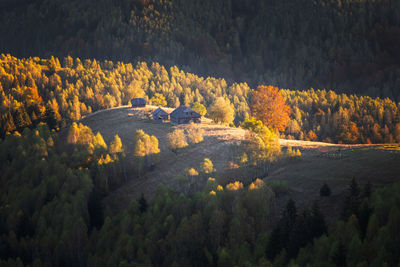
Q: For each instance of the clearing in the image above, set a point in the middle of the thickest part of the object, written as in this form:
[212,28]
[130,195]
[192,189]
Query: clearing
[320,162]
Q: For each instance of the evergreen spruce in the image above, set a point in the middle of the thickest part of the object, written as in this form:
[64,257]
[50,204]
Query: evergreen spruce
[325,190]
[142,204]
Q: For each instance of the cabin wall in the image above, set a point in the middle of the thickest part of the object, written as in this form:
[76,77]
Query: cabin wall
[185,120]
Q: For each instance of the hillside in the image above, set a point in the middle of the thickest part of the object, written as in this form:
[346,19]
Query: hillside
[124,121]
[320,162]
[75,204]
[294,159]
[347,46]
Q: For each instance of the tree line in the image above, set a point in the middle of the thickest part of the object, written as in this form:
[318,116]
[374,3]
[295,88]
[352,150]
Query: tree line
[38,90]
[339,118]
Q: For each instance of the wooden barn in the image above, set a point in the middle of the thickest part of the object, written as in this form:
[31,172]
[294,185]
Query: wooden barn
[138,102]
[160,115]
[184,115]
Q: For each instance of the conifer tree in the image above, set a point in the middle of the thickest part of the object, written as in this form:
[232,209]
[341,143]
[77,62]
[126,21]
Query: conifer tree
[142,204]
[352,201]
[325,190]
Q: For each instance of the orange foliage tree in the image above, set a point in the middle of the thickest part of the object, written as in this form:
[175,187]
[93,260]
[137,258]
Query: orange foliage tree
[269,106]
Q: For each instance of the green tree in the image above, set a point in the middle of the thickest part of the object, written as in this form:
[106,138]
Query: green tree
[325,190]
[352,201]
[253,125]
[142,204]
[199,108]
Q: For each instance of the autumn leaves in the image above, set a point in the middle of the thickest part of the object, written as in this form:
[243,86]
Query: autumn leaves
[268,105]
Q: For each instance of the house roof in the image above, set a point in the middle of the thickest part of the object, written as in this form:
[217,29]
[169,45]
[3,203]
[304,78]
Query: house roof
[138,101]
[184,112]
[159,111]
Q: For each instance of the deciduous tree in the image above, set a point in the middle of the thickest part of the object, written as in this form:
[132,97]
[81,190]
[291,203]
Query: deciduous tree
[195,134]
[262,148]
[158,100]
[199,108]
[269,106]
[176,140]
[146,147]
[221,111]
[207,166]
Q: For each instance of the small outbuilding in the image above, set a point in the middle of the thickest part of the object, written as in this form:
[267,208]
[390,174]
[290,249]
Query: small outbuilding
[138,102]
[185,115]
[160,115]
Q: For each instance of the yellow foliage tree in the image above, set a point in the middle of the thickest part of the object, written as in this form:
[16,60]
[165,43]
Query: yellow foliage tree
[195,134]
[221,111]
[257,184]
[176,140]
[207,166]
[158,100]
[146,147]
[234,186]
[262,148]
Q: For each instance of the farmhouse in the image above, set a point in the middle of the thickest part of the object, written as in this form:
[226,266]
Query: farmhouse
[160,115]
[184,115]
[138,102]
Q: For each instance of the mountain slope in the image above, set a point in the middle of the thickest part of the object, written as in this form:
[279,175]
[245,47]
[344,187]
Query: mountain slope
[320,162]
[349,46]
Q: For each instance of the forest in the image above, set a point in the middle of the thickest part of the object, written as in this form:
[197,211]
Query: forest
[52,214]
[343,45]
[35,90]
[54,185]
[326,70]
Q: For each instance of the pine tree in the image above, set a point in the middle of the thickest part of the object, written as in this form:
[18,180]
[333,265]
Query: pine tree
[275,244]
[352,201]
[339,257]
[316,223]
[367,191]
[299,235]
[325,190]
[142,204]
